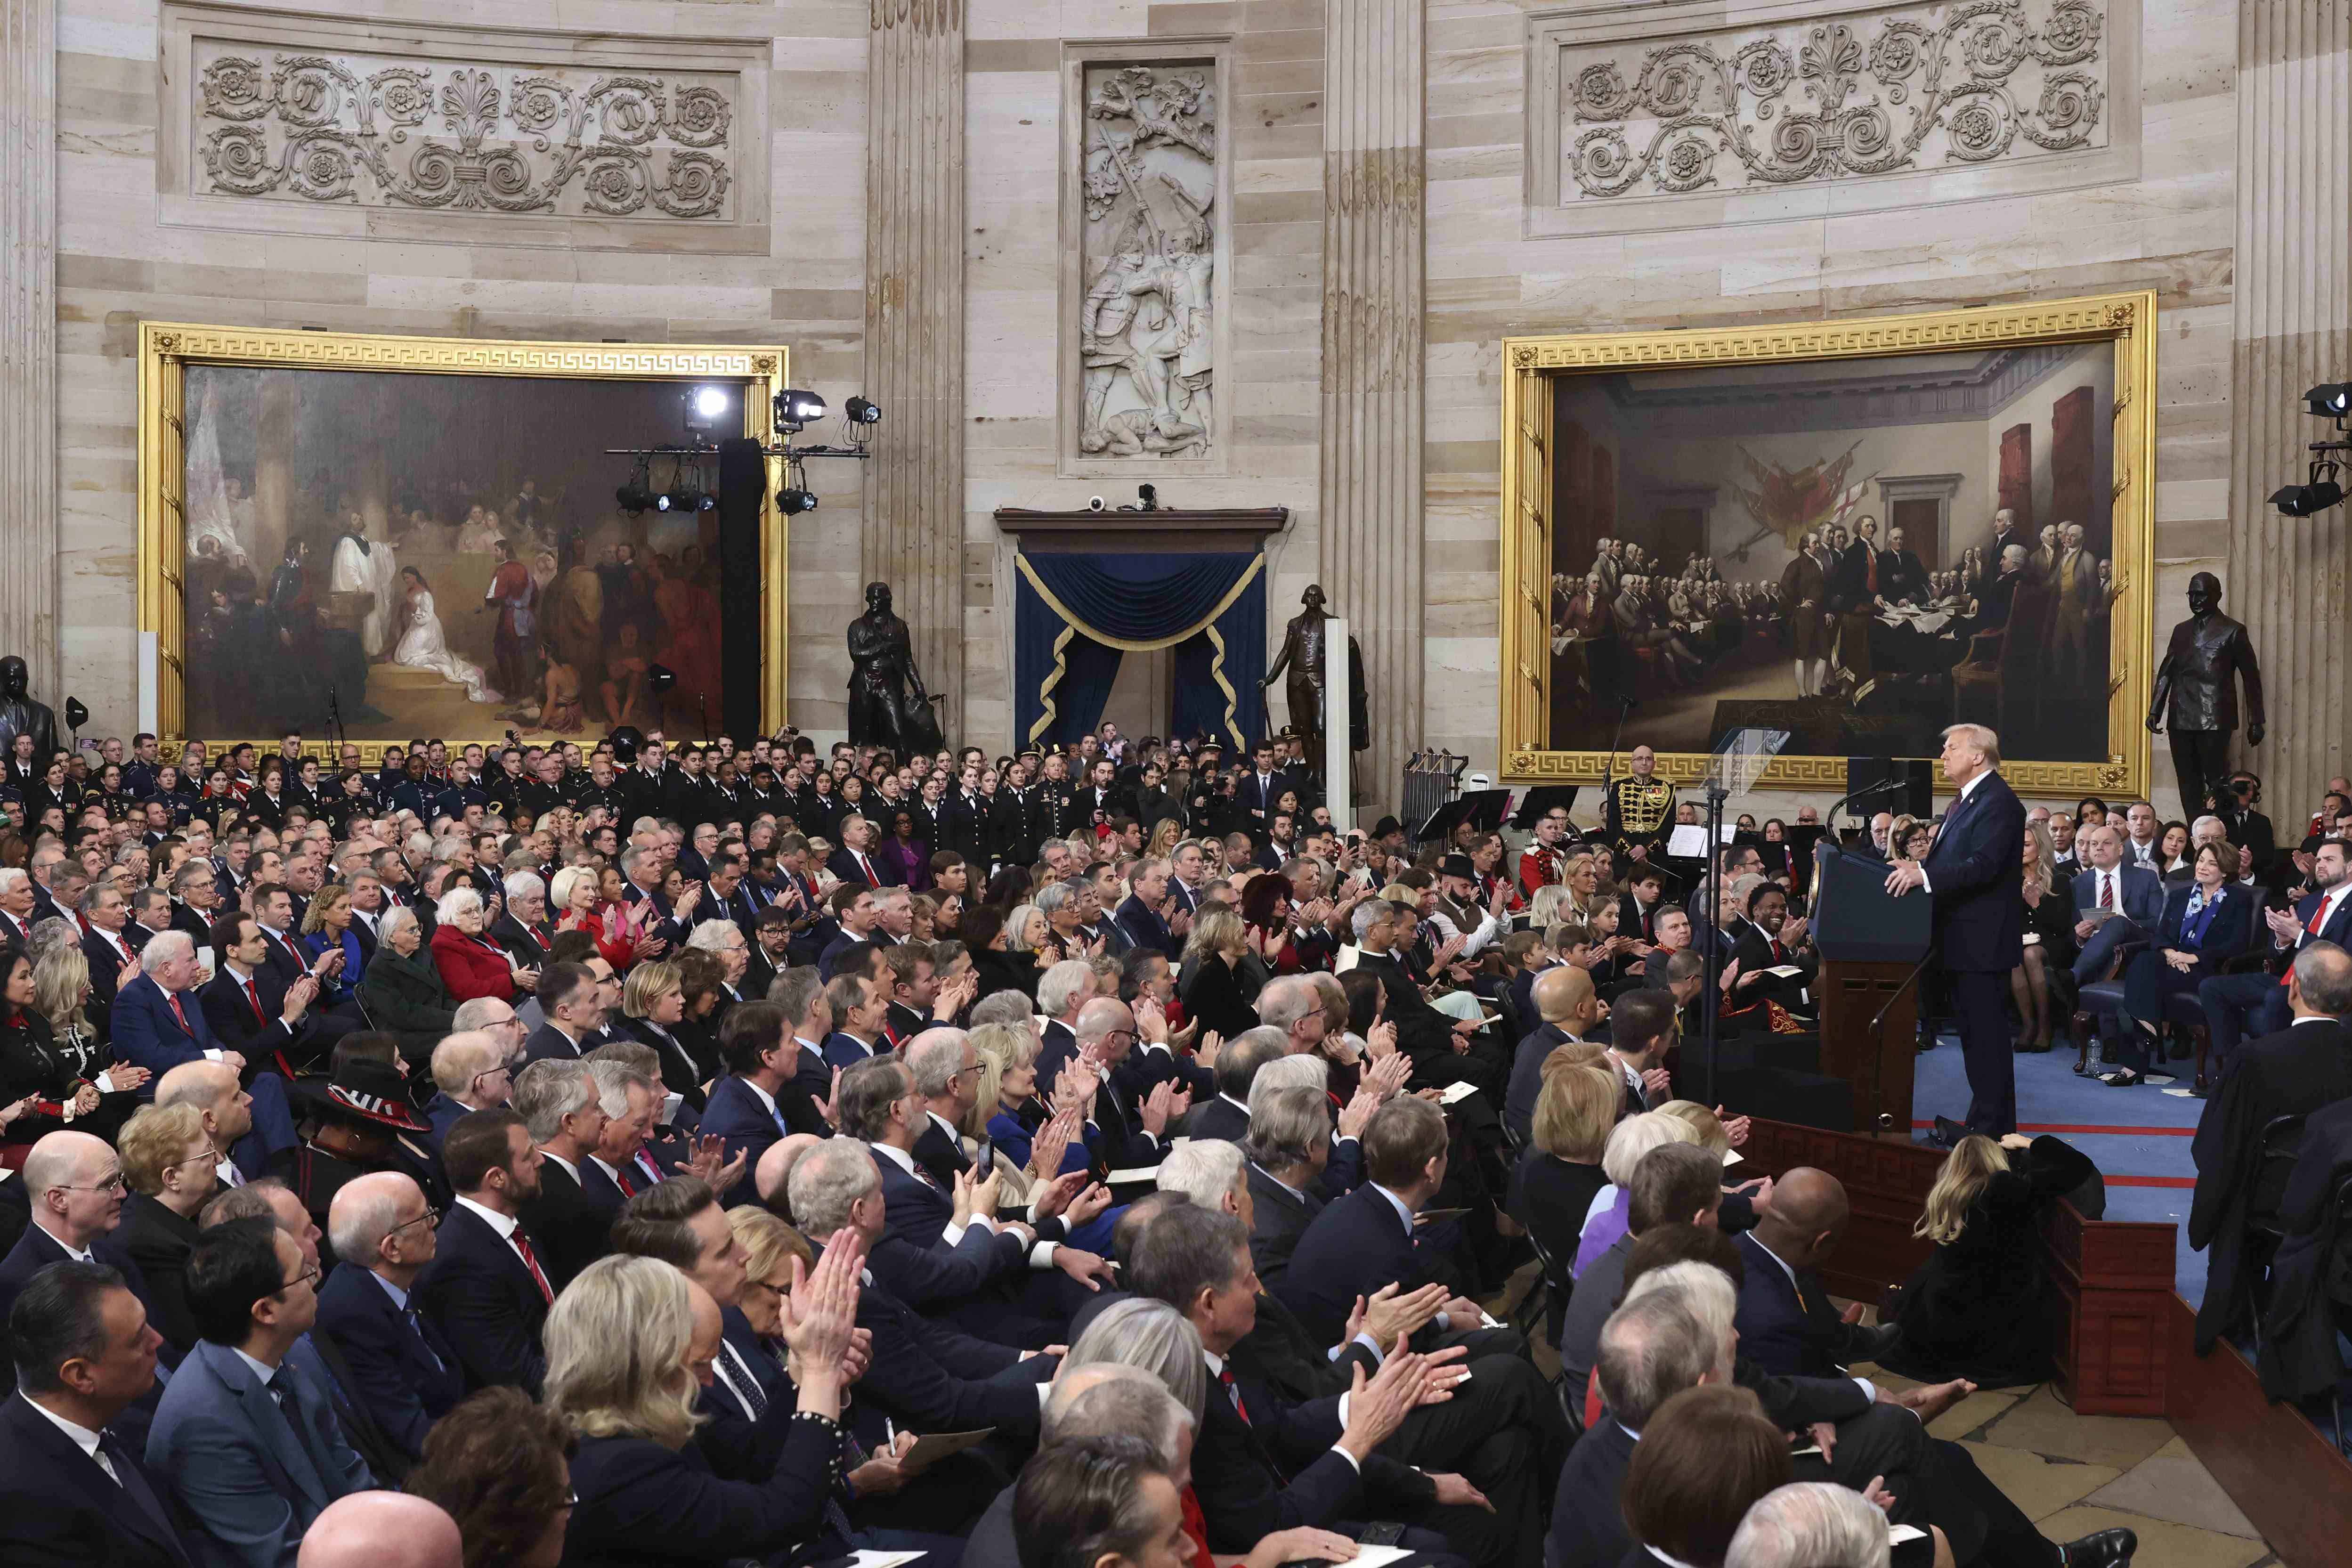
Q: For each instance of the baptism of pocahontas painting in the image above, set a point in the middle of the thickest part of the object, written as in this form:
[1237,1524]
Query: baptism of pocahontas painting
[387,554]
[1858,548]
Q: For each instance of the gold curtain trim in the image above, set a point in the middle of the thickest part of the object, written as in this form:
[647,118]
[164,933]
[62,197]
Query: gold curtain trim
[1072,625]
[1233,700]
[1045,692]
[1257,564]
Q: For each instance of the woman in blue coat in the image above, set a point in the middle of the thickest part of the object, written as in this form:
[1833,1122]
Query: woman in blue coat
[2206,922]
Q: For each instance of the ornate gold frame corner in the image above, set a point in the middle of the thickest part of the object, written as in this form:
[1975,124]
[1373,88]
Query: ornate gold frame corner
[167,348]
[1533,365]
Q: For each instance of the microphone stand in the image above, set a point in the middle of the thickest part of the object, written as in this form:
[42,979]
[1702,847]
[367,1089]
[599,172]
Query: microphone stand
[1609,769]
[1878,1027]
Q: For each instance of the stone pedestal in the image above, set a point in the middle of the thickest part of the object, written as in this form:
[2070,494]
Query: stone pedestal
[2293,330]
[1373,287]
[913,532]
[28,338]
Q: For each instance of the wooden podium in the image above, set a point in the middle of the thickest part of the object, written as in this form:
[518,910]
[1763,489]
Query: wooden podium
[1870,943]
[1850,993]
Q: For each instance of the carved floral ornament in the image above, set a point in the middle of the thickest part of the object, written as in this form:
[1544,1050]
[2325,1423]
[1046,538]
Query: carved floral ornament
[1917,86]
[313,127]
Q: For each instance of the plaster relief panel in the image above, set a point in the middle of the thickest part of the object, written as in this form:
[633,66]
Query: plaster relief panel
[1146,195]
[1791,111]
[310,123]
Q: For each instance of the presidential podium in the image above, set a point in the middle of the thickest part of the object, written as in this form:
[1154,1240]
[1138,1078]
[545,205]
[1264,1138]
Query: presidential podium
[1870,943]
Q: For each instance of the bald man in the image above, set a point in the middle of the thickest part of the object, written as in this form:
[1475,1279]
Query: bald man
[1786,1322]
[775,1168]
[382,1529]
[1565,1000]
[74,1183]
[406,1376]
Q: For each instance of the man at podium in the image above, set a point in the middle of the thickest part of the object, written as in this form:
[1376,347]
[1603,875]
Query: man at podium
[1973,872]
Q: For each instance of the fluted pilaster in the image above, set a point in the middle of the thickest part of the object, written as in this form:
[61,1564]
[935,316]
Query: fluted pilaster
[2293,305]
[1370,493]
[28,338]
[913,531]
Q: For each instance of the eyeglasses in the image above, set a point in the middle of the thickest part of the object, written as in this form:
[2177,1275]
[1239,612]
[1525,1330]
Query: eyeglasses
[209,1157]
[113,1183]
[310,1275]
[430,1218]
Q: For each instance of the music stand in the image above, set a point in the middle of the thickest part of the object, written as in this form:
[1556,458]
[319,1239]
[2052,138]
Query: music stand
[1541,801]
[1738,760]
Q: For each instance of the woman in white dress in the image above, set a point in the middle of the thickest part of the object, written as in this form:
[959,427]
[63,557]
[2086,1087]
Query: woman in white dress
[422,645]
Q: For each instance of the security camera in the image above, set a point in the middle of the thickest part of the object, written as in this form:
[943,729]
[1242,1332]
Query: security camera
[1095,503]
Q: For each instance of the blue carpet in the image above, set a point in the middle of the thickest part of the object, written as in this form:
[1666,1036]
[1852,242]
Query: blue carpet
[2050,1098]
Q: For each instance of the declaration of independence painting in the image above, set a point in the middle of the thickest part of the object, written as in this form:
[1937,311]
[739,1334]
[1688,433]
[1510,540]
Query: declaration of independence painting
[393,555]
[1858,550]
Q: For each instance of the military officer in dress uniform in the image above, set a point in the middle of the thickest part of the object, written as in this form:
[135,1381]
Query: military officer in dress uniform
[1638,809]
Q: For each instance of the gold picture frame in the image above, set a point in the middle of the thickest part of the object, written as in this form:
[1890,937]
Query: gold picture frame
[167,350]
[1536,368]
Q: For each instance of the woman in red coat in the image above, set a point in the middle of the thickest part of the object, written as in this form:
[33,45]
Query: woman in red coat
[471,965]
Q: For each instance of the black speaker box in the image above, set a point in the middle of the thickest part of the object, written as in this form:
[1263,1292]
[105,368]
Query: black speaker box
[1781,1094]
[742,505]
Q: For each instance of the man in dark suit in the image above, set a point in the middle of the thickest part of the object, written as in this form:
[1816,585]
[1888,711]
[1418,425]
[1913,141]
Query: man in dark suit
[73,1492]
[1255,791]
[522,926]
[2303,1068]
[1138,914]
[564,1115]
[406,1376]
[1972,874]
[2238,1004]
[1227,1117]
[1371,1239]
[1261,1463]
[1786,1322]
[571,999]
[106,946]
[1564,999]
[485,1290]
[2115,900]
[855,863]
[73,1183]
[926,1375]
[1443,1048]
[249,1006]
[2301,1352]
[762,1098]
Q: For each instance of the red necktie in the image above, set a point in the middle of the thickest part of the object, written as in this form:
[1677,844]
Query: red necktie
[531,1261]
[1233,1393]
[174,998]
[2318,919]
[254,997]
[2106,891]
[621,1179]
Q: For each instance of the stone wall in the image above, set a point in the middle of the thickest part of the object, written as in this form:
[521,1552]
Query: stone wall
[786,265]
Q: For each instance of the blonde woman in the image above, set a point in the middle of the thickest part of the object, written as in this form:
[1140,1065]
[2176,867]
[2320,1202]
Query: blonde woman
[170,1166]
[1164,837]
[628,1342]
[1558,1177]
[60,993]
[2044,981]
[1025,1136]
[1977,1308]
[1210,984]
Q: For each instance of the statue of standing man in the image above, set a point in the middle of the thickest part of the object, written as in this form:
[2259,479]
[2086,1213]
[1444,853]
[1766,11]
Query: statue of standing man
[887,705]
[2195,695]
[1303,654]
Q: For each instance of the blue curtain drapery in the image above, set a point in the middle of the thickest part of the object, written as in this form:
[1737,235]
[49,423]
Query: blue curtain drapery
[1074,615]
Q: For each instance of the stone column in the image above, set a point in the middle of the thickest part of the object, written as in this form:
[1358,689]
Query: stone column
[28,339]
[913,532]
[2293,308]
[1369,499]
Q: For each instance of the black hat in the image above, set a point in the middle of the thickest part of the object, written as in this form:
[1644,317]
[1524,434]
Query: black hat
[371,1091]
[1386,825]
[1458,866]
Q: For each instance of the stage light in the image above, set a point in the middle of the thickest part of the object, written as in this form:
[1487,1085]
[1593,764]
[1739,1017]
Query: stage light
[2333,401]
[636,495]
[2302,500]
[861,411]
[685,494]
[795,408]
[788,502]
[710,402]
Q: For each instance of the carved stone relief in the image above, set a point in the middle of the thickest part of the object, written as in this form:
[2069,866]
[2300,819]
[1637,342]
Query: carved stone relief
[1147,324]
[384,130]
[1655,113]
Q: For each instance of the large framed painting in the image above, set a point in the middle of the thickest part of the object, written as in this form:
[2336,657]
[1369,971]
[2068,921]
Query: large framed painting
[1855,531]
[395,537]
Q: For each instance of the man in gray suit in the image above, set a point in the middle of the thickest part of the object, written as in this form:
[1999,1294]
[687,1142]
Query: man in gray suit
[2114,902]
[246,1434]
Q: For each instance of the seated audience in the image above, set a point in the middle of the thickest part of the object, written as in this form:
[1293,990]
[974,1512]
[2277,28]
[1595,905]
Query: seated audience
[1565,997]
[408,1376]
[486,1288]
[498,1464]
[169,1162]
[1810,1524]
[1630,1142]
[1559,1173]
[1786,1322]
[1674,1183]
[1705,1457]
[382,1529]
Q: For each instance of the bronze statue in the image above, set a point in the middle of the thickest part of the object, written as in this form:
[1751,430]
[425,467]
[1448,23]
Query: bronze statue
[1303,653]
[2197,694]
[887,705]
[20,715]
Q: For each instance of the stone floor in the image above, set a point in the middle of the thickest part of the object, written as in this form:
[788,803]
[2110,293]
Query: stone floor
[2075,1474]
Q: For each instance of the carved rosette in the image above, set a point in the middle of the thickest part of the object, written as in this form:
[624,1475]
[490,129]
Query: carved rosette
[1910,88]
[328,128]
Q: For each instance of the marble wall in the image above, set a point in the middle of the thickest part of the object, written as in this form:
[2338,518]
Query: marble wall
[1477,191]
[134,241]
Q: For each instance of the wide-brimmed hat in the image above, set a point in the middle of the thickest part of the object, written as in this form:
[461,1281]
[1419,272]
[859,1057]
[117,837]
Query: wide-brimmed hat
[371,1091]
[1458,866]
